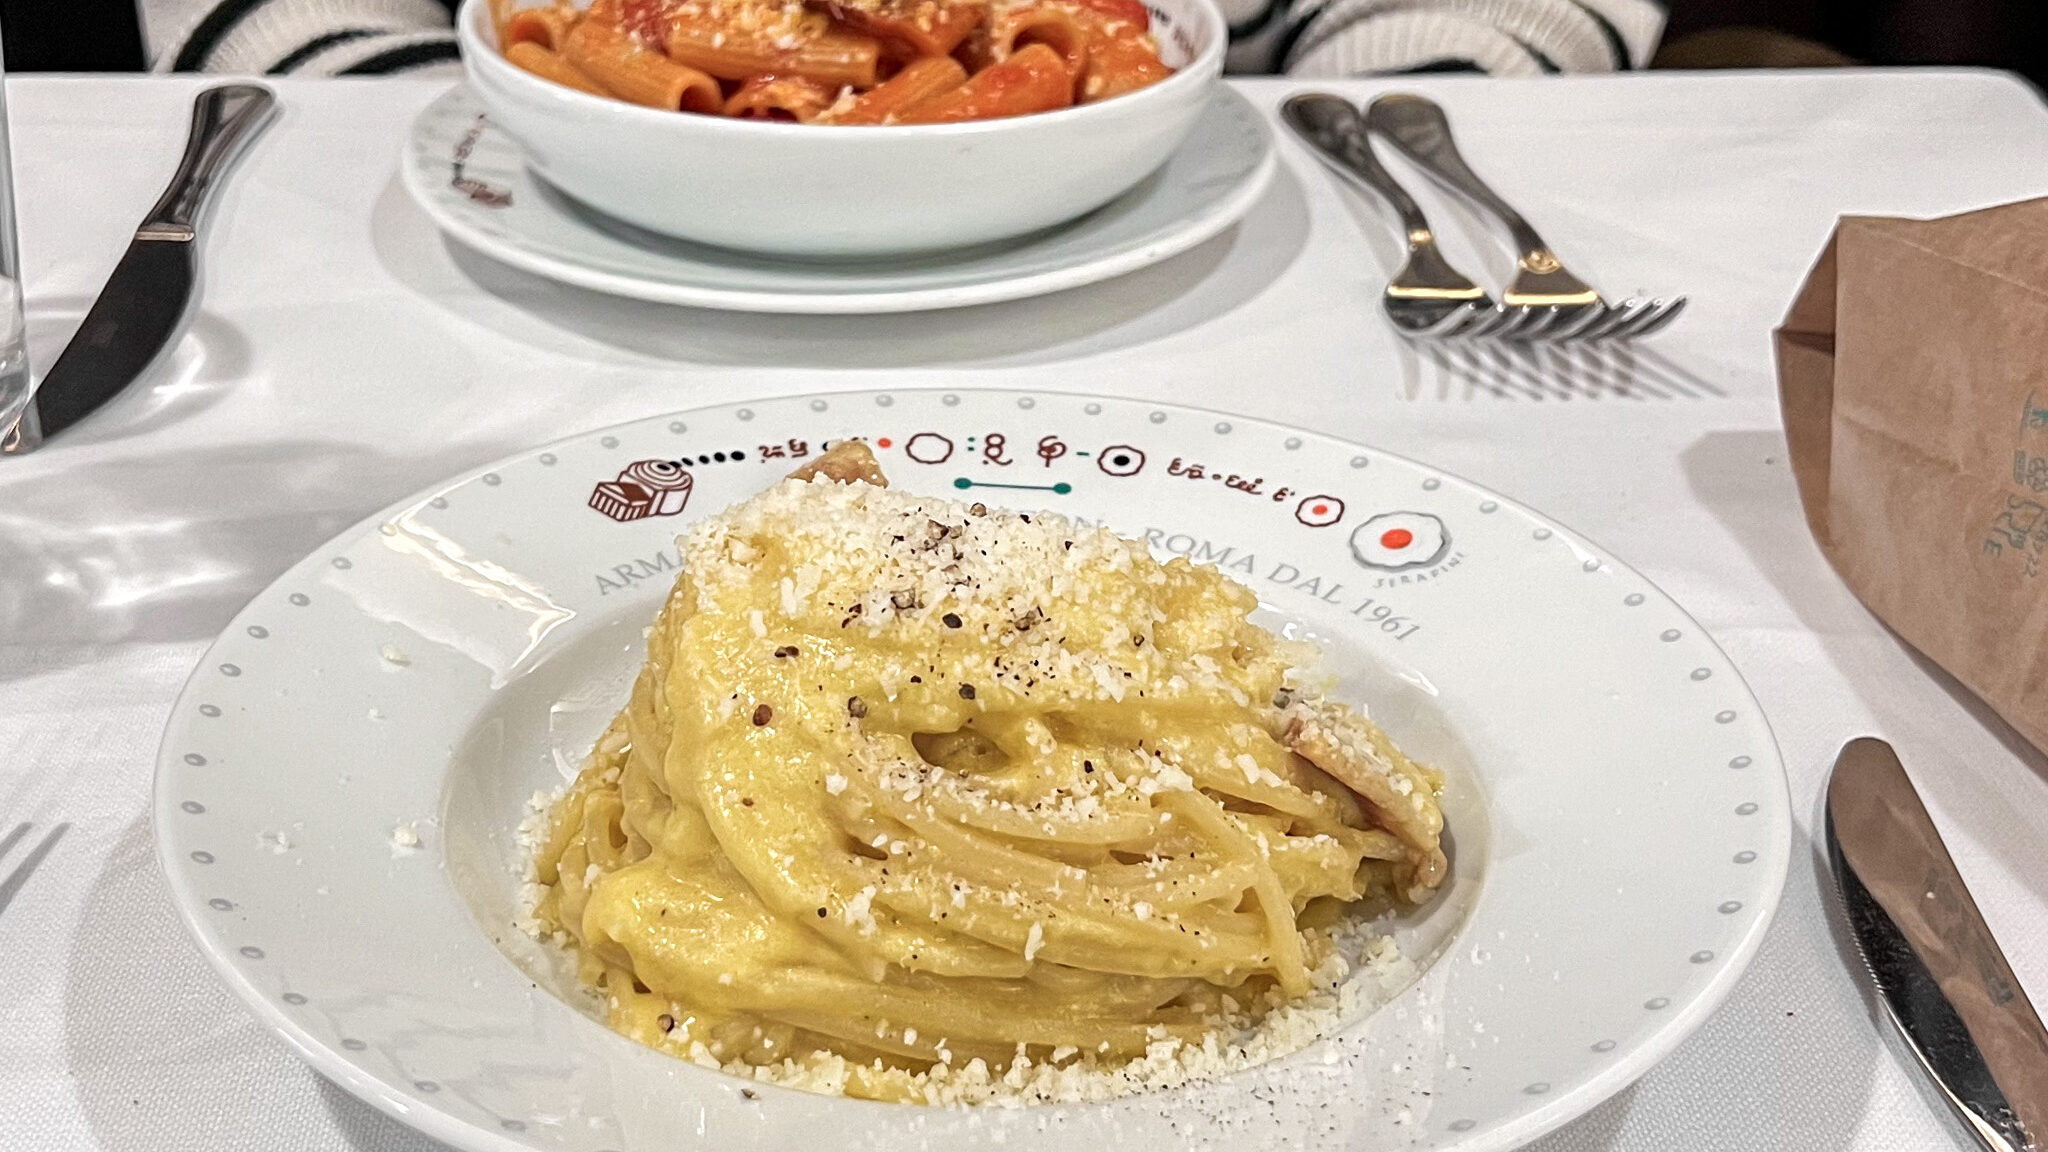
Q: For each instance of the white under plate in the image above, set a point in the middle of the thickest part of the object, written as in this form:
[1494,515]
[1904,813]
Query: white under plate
[471,179]
[1618,812]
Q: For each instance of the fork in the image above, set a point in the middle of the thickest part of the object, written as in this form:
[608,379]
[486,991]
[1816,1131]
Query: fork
[1427,298]
[12,883]
[1418,128]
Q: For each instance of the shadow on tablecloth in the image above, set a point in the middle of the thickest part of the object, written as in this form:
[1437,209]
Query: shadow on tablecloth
[208,358]
[1177,295]
[1451,371]
[165,1060]
[1789,1061]
[1760,507]
[1793,1059]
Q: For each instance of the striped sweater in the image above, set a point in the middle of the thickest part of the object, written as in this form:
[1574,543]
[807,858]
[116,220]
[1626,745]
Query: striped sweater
[1297,37]
[301,37]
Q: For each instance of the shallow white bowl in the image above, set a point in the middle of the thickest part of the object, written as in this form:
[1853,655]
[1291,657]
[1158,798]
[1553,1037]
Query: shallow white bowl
[820,191]
[1620,824]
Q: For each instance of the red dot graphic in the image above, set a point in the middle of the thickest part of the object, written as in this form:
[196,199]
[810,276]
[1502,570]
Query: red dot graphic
[1397,538]
[884,442]
[1320,510]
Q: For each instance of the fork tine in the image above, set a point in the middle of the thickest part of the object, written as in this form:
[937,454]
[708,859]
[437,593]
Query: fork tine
[1528,322]
[1555,322]
[1617,317]
[1484,322]
[1457,323]
[1454,324]
[1435,329]
[1658,317]
[1488,323]
[1628,317]
[1569,323]
[1603,321]
[1513,320]
[1533,323]
[1579,323]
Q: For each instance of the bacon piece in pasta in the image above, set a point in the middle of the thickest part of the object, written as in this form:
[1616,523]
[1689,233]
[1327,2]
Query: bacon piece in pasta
[1400,792]
[846,462]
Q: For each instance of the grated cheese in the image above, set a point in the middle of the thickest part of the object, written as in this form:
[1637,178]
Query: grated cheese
[1356,970]
[405,839]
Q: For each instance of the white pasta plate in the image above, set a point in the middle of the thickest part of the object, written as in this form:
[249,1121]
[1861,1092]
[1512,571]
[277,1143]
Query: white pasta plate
[470,177]
[341,781]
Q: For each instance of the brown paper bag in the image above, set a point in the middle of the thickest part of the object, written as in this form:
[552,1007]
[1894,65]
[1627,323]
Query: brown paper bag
[1913,370]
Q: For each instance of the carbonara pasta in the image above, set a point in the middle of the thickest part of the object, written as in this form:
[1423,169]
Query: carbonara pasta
[907,786]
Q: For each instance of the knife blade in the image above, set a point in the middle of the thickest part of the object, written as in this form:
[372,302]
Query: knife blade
[1937,969]
[145,302]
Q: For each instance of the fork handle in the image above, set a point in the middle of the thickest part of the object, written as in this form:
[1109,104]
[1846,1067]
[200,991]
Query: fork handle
[1333,126]
[1419,129]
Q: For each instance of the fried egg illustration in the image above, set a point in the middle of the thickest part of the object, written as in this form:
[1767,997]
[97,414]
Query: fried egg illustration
[1397,541]
[1319,511]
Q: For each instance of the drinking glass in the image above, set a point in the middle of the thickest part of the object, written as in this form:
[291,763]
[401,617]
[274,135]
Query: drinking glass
[15,384]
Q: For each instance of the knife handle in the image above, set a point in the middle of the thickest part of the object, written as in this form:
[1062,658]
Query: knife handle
[223,119]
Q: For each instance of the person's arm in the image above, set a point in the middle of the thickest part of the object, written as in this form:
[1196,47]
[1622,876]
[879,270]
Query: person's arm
[1497,37]
[300,37]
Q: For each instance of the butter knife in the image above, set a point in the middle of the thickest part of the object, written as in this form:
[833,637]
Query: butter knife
[144,304]
[1938,972]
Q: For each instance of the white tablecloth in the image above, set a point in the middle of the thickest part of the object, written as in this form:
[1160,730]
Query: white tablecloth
[345,356]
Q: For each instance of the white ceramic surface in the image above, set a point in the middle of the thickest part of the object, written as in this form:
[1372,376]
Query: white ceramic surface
[1618,808]
[472,179]
[820,191]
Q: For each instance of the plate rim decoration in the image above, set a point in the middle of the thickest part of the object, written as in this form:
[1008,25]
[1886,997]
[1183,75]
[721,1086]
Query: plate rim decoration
[430,165]
[198,761]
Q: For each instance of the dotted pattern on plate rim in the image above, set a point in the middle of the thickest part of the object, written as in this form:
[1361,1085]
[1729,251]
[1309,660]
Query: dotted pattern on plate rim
[818,404]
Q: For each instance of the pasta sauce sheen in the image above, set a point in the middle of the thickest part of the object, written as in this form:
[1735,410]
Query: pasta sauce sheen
[848,62]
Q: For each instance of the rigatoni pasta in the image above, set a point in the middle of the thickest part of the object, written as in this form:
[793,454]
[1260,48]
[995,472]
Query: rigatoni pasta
[621,63]
[840,61]
[917,82]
